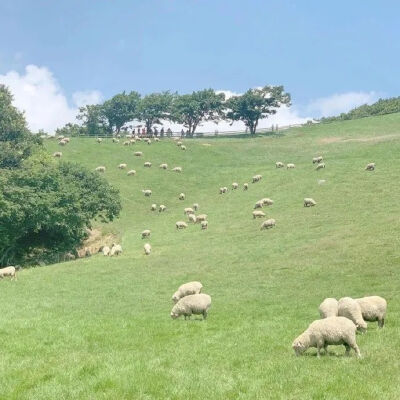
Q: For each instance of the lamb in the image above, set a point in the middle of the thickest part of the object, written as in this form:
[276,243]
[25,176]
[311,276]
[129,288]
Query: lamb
[122,166]
[188,210]
[373,308]
[317,160]
[146,233]
[138,153]
[350,309]
[162,208]
[370,167]
[147,249]
[147,192]
[181,225]
[201,217]
[177,169]
[290,166]
[57,154]
[279,164]
[267,202]
[204,224]
[245,186]
[147,164]
[192,218]
[116,249]
[99,140]
[320,166]
[195,206]
[269,223]
[182,196]
[259,204]
[328,308]
[309,202]
[256,178]
[100,169]
[327,331]
[164,166]
[131,172]
[235,185]
[106,250]
[192,304]
[183,147]
[187,289]
[153,207]
[258,214]
[8,271]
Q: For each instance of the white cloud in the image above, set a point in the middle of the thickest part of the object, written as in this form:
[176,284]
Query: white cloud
[339,103]
[38,94]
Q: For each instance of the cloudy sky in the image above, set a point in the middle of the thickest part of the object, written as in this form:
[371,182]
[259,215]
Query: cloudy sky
[58,55]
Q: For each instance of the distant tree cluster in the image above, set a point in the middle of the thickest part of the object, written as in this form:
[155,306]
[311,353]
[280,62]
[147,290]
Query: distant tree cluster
[190,110]
[46,206]
[381,107]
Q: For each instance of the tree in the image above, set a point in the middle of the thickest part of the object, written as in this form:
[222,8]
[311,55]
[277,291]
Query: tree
[256,104]
[94,120]
[192,109]
[121,109]
[70,129]
[154,107]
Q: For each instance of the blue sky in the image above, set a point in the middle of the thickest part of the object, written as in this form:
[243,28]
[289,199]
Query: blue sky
[98,48]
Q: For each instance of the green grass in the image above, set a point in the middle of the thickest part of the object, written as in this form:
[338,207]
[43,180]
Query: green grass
[99,328]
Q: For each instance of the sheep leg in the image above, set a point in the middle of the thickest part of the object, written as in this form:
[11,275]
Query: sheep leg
[381,322]
[204,314]
[347,353]
[326,349]
[319,350]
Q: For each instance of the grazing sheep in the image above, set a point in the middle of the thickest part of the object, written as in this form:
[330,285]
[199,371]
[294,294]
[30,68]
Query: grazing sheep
[183,147]
[147,192]
[147,164]
[245,186]
[162,208]
[106,250]
[290,166]
[148,141]
[201,217]
[320,166]
[187,289]
[153,207]
[60,137]
[195,206]
[164,166]
[235,185]
[100,169]
[62,143]
[122,166]
[146,233]
[256,178]
[177,169]
[115,140]
[181,225]
[373,308]
[57,154]
[116,249]
[99,140]
[8,271]
[327,331]
[132,141]
[279,164]
[156,139]
[131,172]
[309,202]
[179,143]
[317,160]
[258,214]
[193,304]
[182,196]
[328,308]
[269,223]
[223,190]
[370,167]
[204,224]
[259,204]
[138,153]
[188,210]
[267,202]
[350,309]
[192,218]
[127,143]
[138,139]
[147,249]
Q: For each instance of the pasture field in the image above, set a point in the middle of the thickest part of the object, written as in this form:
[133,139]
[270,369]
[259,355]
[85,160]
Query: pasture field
[99,328]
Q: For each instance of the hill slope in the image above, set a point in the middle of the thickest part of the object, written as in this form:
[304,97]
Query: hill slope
[100,327]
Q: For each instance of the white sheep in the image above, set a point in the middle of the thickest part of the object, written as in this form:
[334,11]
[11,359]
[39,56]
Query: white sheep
[146,233]
[350,309]
[223,190]
[115,140]
[192,218]
[187,289]
[181,225]
[259,204]
[100,169]
[327,331]
[188,210]
[116,249]
[57,154]
[182,196]
[99,140]
[309,202]
[164,166]
[201,217]
[317,160]
[62,143]
[8,271]
[106,250]
[328,308]
[177,169]
[279,164]
[138,153]
[204,224]
[183,147]
[131,172]
[67,139]
[148,141]
[290,166]
[258,214]
[156,139]
[147,192]
[193,304]
[245,186]
[132,141]
[269,223]
[235,185]
[370,166]
[267,201]
[162,208]
[153,207]
[122,166]
[195,206]
[373,308]
[147,249]
[320,166]
[147,164]
[127,143]
[256,178]
[179,143]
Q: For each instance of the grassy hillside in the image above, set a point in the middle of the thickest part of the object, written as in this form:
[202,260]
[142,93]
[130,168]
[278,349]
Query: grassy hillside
[99,328]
